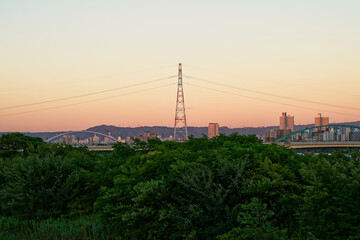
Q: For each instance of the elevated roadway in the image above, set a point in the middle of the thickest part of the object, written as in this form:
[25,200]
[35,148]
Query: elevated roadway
[321,145]
[100,148]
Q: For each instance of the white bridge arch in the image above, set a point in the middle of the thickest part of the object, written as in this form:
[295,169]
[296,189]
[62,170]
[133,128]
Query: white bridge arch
[83,131]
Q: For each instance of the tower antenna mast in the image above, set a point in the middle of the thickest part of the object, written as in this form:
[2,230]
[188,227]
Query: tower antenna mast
[180,127]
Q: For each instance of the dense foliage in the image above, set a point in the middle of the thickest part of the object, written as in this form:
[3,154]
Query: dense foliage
[228,187]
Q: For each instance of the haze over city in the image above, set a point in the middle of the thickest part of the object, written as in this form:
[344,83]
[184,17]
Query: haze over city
[258,59]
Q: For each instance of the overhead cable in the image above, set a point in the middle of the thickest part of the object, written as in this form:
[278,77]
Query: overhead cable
[272,95]
[83,102]
[270,101]
[86,94]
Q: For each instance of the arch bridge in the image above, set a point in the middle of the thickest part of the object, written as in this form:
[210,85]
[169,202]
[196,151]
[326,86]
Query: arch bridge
[83,131]
[325,136]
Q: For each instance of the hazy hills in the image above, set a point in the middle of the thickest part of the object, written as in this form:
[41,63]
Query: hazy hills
[165,132]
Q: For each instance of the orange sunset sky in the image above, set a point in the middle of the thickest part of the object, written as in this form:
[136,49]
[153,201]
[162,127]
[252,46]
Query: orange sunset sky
[307,53]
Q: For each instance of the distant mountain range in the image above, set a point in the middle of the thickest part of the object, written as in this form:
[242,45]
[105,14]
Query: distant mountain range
[166,132]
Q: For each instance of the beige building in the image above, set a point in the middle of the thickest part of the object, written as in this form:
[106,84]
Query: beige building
[272,136]
[320,121]
[95,139]
[286,122]
[143,138]
[121,140]
[213,130]
[69,139]
[108,140]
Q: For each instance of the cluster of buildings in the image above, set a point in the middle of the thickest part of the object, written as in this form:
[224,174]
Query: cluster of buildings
[287,126]
[144,138]
[213,131]
[106,140]
[94,140]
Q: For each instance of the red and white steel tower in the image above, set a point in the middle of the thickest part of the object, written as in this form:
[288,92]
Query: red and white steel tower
[180,128]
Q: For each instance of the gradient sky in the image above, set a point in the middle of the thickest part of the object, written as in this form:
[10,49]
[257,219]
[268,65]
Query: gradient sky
[54,49]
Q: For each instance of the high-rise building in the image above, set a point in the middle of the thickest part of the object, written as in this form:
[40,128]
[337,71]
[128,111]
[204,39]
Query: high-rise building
[213,130]
[95,139]
[69,139]
[146,136]
[121,140]
[286,122]
[320,120]
[108,140]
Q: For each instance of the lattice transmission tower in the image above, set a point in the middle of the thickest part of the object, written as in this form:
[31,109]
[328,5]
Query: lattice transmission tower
[180,128]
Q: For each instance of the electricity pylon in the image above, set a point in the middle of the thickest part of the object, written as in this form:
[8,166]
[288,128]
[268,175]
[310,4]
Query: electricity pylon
[180,128]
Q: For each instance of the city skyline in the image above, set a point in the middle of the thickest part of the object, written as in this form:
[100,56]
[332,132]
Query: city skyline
[302,50]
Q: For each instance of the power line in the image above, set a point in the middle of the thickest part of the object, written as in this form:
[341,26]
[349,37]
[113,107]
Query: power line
[273,95]
[270,101]
[87,94]
[94,100]
[232,75]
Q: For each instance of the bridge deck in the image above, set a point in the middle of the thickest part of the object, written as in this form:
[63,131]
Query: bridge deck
[100,148]
[331,144]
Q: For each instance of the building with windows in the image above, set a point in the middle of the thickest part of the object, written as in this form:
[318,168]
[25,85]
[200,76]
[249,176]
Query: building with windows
[320,120]
[213,130]
[69,139]
[286,122]
[95,139]
[144,138]
[272,136]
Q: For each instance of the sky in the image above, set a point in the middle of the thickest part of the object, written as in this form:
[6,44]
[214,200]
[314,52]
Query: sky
[258,59]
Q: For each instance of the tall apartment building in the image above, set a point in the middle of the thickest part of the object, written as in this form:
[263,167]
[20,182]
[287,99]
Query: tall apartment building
[95,139]
[213,130]
[286,122]
[144,138]
[69,139]
[108,140]
[320,120]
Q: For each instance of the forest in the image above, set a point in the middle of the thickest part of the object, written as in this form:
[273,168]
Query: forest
[227,187]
